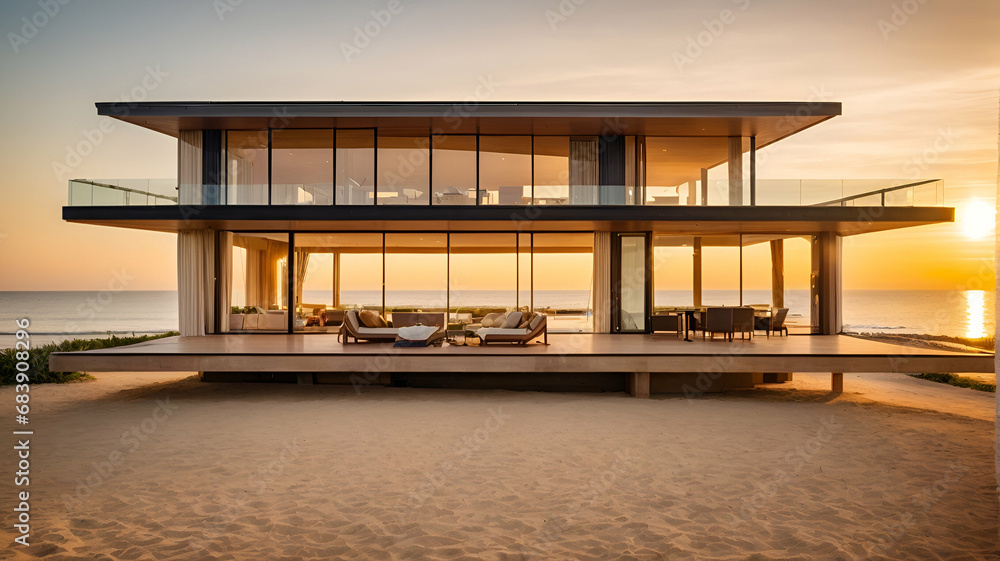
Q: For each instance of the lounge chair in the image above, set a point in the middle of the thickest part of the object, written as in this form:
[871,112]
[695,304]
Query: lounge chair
[775,323]
[352,327]
[743,321]
[538,327]
[718,320]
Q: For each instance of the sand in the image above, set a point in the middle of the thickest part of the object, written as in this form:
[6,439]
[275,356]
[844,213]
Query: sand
[895,468]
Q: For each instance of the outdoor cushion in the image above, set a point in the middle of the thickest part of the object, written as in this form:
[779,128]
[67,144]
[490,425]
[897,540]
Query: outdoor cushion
[369,318]
[526,322]
[487,331]
[535,321]
[378,331]
[352,319]
[417,332]
[490,319]
[512,320]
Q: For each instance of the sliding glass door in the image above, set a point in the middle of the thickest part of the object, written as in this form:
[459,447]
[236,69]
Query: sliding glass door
[630,283]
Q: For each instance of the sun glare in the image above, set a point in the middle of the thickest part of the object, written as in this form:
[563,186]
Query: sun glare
[977,219]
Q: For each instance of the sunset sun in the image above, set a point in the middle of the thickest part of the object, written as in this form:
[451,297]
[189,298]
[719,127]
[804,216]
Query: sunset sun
[977,219]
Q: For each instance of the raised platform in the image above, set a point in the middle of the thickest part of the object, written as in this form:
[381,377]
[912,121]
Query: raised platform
[320,356]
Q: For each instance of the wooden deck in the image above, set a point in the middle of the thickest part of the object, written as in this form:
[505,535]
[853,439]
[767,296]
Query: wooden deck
[566,353]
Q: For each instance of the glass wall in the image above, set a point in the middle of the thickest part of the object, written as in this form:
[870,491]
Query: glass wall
[246,168]
[562,280]
[416,272]
[552,170]
[355,167]
[336,272]
[483,272]
[403,170]
[674,167]
[673,272]
[259,286]
[302,167]
[454,170]
[504,170]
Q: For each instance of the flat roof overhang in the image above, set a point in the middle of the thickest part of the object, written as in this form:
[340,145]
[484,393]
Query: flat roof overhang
[768,121]
[692,220]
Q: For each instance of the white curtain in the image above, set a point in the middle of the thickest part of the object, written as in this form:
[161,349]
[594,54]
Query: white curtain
[189,167]
[583,178]
[602,282]
[225,276]
[196,282]
[301,266]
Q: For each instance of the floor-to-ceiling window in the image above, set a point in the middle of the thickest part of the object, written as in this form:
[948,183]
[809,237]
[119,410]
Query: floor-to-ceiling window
[336,272]
[246,167]
[483,271]
[403,170]
[259,289]
[453,180]
[563,273]
[674,169]
[302,167]
[416,272]
[474,272]
[355,175]
[552,170]
[504,170]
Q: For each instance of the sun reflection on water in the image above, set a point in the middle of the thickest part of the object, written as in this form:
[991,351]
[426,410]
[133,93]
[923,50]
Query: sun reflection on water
[975,306]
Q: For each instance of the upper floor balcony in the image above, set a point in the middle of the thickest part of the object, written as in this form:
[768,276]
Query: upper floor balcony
[765,192]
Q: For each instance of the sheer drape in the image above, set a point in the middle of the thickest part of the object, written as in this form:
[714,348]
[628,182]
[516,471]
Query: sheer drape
[196,282]
[583,178]
[189,167]
[301,266]
[602,282]
[225,277]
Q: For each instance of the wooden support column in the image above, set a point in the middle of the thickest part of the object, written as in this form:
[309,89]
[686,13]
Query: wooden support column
[638,384]
[735,171]
[837,382]
[704,186]
[696,280]
[336,279]
[778,273]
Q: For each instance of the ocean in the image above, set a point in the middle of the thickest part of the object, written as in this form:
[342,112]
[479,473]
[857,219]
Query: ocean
[56,316]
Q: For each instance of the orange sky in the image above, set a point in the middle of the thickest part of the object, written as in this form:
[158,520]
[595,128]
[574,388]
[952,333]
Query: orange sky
[920,99]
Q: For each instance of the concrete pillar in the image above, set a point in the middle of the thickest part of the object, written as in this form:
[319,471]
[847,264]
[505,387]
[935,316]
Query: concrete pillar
[837,382]
[825,281]
[696,280]
[735,171]
[638,384]
[778,273]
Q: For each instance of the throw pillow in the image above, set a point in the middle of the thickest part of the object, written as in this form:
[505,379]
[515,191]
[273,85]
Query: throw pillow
[527,320]
[369,318]
[535,321]
[512,321]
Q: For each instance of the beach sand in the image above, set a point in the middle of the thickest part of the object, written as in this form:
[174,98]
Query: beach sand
[162,466]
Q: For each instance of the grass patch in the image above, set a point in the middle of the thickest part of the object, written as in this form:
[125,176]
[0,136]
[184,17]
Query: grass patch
[38,358]
[960,381]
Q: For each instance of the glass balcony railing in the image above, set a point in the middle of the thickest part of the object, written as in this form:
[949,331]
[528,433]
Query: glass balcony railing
[122,192]
[769,192]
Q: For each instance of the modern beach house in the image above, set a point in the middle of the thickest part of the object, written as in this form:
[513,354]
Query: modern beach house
[604,216]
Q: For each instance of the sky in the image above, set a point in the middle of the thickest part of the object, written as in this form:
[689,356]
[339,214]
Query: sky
[918,79]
